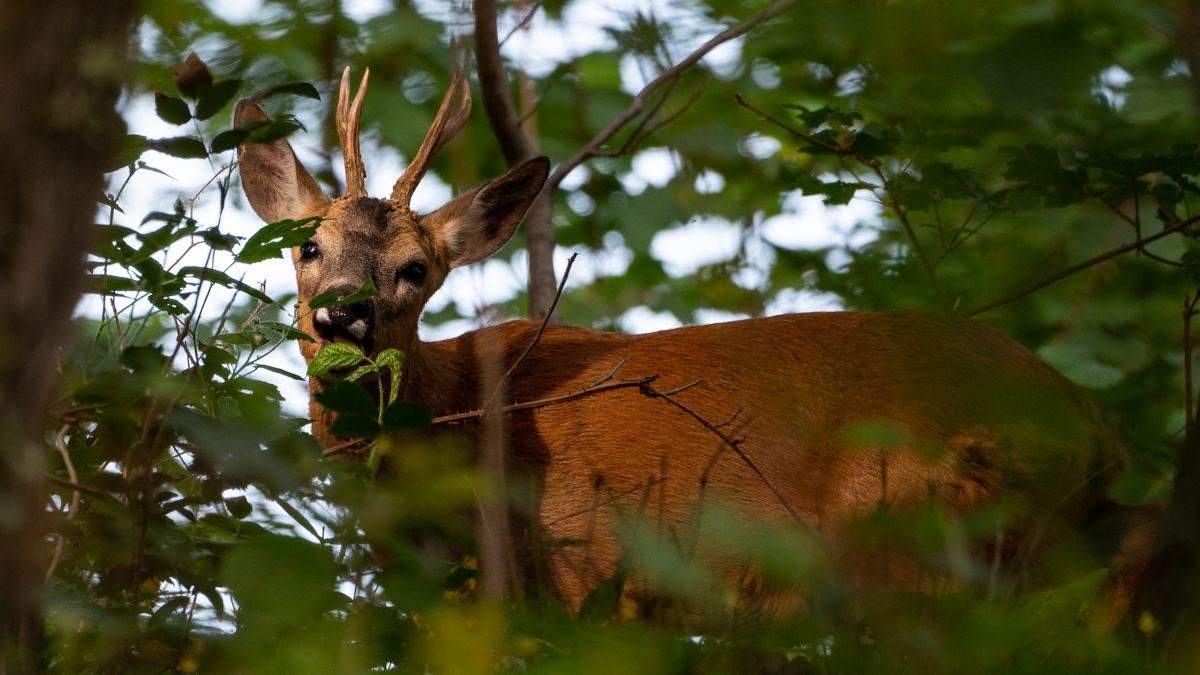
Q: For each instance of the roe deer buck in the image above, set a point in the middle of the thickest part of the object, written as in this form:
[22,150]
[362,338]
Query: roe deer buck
[977,414]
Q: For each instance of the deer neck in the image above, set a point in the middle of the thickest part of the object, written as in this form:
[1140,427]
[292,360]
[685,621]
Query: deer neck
[441,376]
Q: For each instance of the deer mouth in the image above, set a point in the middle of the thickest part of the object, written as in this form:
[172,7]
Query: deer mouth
[333,328]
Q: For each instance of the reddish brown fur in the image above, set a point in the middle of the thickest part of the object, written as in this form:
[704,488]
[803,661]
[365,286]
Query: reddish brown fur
[971,412]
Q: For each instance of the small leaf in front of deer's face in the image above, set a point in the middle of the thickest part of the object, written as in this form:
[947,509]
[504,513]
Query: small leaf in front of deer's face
[334,356]
[331,299]
[270,240]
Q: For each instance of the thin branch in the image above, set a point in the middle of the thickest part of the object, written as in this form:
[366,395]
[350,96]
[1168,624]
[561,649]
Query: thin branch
[841,150]
[1082,266]
[733,443]
[61,539]
[648,484]
[636,140]
[90,491]
[639,101]
[523,23]
[681,389]
[536,338]
[553,400]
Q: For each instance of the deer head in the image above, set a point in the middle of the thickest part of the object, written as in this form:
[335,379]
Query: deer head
[407,255]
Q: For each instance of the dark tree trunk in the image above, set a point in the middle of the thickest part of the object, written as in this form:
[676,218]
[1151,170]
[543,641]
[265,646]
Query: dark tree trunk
[1165,608]
[517,149]
[61,66]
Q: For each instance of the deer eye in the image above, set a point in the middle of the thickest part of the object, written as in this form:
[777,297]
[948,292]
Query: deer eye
[415,272]
[308,250]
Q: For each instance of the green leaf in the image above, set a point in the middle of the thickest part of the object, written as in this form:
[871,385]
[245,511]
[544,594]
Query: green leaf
[171,110]
[223,279]
[238,507]
[287,331]
[298,517]
[361,371]
[294,88]
[402,417]
[347,397]
[334,356]
[132,147]
[354,426]
[217,96]
[283,579]
[270,240]
[180,146]
[331,298]
[278,371]
[392,359]
[215,240]
[256,132]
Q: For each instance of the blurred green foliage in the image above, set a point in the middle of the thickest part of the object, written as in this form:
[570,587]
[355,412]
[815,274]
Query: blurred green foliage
[1004,141]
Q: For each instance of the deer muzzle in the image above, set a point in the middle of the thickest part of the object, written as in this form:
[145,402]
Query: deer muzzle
[350,324]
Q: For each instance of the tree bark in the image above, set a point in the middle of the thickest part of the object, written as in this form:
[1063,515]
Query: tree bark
[1165,608]
[61,67]
[517,148]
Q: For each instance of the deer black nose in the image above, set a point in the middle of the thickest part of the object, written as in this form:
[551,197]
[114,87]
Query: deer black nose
[356,319]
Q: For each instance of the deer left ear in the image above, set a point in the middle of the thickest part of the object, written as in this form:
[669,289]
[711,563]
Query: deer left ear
[476,224]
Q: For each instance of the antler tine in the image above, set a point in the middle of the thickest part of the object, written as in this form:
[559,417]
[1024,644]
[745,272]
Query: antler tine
[443,130]
[348,118]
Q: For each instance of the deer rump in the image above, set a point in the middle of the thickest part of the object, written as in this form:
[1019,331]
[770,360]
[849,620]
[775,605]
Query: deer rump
[843,412]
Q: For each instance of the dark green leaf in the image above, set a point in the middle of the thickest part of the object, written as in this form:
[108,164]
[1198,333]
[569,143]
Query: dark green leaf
[332,298]
[289,332]
[347,397]
[354,426]
[216,98]
[294,88]
[278,371]
[132,147]
[402,417]
[270,240]
[170,109]
[218,277]
[180,146]
[239,507]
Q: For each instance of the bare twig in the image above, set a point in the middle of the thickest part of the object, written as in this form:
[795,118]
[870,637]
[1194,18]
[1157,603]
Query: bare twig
[681,389]
[61,540]
[553,400]
[1181,226]
[733,443]
[70,485]
[636,138]
[537,337]
[524,22]
[838,149]
[649,483]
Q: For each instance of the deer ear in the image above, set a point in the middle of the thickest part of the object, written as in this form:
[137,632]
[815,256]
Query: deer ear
[476,224]
[278,186]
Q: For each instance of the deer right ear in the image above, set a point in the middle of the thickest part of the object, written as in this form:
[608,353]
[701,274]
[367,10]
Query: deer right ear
[476,224]
[278,186]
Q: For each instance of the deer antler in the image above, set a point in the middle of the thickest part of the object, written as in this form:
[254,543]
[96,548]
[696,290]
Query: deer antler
[444,128]
[348,117]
